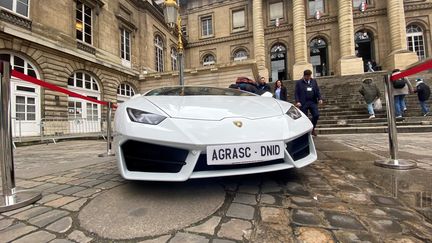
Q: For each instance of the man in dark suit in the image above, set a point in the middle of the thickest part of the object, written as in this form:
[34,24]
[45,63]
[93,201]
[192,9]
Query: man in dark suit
[308,96]
[262,86]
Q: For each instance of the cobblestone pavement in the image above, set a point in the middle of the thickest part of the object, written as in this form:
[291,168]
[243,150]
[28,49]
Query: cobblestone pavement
[340,198]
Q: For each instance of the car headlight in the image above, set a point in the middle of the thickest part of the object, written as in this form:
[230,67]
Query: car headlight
[294,113]
[144,117]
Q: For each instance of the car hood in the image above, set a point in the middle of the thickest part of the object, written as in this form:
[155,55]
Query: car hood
[216,107]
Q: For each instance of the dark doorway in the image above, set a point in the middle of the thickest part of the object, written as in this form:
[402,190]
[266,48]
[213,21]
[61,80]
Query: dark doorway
[278,55]
[364,47]
[318,56]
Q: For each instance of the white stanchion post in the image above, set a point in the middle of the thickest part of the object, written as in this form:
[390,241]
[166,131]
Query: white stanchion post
[109,135]
[394,162]
[11,198]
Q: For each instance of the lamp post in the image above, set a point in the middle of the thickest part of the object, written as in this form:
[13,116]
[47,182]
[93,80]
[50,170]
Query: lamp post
[172,18]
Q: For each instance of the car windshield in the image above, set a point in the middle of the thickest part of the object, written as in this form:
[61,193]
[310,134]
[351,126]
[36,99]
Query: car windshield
[197,91]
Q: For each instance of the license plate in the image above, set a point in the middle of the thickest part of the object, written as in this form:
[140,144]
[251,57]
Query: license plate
[244,153]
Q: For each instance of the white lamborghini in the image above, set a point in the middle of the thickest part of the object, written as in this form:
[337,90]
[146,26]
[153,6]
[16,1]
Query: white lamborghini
[178,133]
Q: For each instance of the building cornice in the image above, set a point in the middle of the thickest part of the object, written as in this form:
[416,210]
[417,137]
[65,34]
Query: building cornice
[370,13]
[321,21]
[411,7]
[126,22]
[15,19]
[274,29]
[156,11]
[220,40]
[186,11]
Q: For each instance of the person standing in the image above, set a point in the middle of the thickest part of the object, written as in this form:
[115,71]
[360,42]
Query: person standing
[308,96]
[423,94]
[280,91]
[262,86]
[369,67]
[401,88]
[370,92]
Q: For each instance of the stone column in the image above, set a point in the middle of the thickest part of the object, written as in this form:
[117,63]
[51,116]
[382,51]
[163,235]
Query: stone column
[258,38]
[399,57]
[348,63]
[300,44]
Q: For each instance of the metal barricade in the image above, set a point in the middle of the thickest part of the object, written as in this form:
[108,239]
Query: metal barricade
[109,130]
[16,131]
[64,128]
[394,162]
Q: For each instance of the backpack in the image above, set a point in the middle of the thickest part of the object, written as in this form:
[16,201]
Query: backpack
[399,84]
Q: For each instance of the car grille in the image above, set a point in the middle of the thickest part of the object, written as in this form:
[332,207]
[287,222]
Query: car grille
[299,147]
[145,157]
[202,165]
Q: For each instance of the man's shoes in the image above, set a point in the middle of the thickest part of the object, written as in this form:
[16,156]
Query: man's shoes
[399,117]
[426,114]
[314,133]
[372,117]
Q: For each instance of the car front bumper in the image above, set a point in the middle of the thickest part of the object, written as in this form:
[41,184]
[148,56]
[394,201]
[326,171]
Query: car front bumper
[180,162]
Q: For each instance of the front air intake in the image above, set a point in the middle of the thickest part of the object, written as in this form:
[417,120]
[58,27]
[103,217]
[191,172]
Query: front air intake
[146,157]
[299,147]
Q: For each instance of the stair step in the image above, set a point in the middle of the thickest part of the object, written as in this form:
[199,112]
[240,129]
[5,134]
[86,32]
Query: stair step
[372,124]
[379,129]
[351,121]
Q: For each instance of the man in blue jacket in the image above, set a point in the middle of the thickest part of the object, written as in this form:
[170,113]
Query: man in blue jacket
[308,96]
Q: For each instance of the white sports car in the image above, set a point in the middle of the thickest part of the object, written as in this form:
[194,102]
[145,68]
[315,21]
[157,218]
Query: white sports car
[178,133]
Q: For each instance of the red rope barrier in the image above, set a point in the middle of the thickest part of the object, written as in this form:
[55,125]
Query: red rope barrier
[47,85]
[416,69]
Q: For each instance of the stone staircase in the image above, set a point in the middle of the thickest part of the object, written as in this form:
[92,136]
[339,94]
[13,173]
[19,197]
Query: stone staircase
[345,112]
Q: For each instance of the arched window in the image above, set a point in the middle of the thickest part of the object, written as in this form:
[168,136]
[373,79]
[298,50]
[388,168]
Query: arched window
[364,47]
[240,55]
[173,58]
[83,80]
[85,84]
[318,56]
[415,40]
[209,59]
[278,58]
[25,97]
[19,64]
[159,45]
[124,92]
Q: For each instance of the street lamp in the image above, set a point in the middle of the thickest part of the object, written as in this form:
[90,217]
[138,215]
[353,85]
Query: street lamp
[172,17]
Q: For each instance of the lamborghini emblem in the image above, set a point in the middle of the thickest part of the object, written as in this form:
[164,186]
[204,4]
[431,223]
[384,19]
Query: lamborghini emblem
[238,123]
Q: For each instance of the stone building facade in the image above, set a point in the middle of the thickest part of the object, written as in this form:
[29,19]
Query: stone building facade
[112,49]
[97,48]
[333,37]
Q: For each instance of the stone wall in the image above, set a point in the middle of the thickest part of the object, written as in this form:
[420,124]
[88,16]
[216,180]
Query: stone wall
[217,76]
